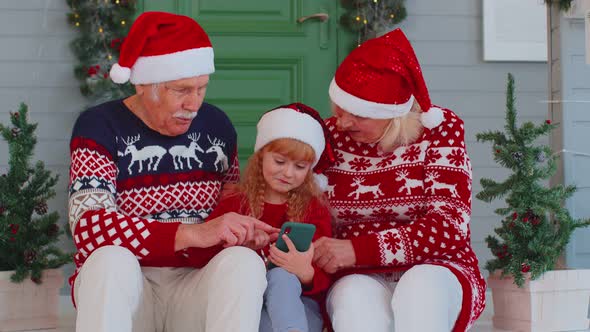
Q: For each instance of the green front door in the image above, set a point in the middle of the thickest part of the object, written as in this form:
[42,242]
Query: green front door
[264,57]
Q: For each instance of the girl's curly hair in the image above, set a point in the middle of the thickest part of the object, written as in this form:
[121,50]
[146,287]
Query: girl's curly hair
[253,184]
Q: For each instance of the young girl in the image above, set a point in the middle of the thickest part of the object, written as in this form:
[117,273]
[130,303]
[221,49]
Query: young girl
[279,185]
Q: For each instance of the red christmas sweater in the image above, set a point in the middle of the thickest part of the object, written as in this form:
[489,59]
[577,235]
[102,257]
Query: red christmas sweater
[275,215]
[132,187]
[408,207]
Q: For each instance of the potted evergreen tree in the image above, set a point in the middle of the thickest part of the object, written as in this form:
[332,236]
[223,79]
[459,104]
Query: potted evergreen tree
[529,292]
[29,259]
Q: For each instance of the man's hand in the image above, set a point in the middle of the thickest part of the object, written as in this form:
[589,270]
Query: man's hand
[230,229]
[261,239]
[332,255]
[296,262]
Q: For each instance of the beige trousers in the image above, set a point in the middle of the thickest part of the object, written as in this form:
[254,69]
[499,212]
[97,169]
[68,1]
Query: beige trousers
[113,293]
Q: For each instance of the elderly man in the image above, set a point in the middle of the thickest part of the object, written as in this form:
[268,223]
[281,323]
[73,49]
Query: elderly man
[145,172]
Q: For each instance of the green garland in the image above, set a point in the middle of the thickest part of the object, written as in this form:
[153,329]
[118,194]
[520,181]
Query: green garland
[27,230]
[535,227]
[102,25]
[369,18]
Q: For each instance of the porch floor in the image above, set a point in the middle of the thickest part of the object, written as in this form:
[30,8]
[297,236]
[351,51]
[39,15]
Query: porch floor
[484,323]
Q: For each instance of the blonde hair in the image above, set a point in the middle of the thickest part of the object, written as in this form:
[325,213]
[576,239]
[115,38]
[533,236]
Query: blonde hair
[400,131]
[403,130]
[253,184]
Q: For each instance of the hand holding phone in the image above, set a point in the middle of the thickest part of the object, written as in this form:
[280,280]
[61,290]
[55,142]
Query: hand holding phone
[300,235]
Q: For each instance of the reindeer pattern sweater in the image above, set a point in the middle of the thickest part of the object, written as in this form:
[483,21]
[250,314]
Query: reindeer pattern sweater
[408,207]
[131,186]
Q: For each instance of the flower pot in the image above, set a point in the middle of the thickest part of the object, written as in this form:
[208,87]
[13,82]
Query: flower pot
[557,301]
[28,306]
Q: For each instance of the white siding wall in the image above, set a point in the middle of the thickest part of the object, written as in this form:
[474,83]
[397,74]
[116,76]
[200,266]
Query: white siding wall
[447,37]
[36,67]
[570,83]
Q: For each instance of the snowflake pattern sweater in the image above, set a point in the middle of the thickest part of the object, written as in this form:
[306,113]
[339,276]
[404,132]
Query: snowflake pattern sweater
[408,207]
[275,215]
[131,186]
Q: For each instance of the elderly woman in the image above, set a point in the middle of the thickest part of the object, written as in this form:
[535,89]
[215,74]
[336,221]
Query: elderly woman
[400,195]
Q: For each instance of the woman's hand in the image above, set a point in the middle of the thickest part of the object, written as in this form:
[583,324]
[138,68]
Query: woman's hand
[332,254]
[296,262]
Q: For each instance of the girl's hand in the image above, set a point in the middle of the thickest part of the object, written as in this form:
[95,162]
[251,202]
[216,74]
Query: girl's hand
[332,255]
[296,262]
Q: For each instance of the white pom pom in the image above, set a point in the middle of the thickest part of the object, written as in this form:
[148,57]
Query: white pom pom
[322,181]
[120,74]
[432,118]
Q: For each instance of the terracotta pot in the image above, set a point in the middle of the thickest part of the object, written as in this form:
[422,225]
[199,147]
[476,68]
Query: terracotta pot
[557,301]
[28,306]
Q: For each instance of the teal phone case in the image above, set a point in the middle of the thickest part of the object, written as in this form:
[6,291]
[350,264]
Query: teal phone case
[299,233]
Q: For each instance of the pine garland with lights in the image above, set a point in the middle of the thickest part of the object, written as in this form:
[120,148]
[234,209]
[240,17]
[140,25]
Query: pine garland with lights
[368,18]
[27,230]
[102,24]
[563,4]
[535,227]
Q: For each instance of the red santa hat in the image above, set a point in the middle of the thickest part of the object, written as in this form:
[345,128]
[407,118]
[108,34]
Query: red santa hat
[163,47]
[303,123]
[380,80]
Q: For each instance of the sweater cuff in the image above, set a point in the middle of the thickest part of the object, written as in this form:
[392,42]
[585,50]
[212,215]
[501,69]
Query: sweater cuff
[366,250]
[162,239]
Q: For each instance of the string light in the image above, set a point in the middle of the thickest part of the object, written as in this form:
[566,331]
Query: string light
[365,22]
[110,57]
[100,30]
[117,2]
[77,24]
[123,22]
[358,18]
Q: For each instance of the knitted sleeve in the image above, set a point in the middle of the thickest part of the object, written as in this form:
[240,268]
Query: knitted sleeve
[442,230]
[93,216]
[320,217]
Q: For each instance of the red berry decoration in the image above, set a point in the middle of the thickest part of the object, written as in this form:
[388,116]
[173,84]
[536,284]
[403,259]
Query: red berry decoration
[524,268]
[514,216]
[13,228]
[548,121]
[92,71]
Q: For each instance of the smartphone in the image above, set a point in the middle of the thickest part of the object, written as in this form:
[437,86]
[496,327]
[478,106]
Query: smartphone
[299,233]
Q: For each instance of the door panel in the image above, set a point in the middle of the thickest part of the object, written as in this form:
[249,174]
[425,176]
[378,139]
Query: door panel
[263,57]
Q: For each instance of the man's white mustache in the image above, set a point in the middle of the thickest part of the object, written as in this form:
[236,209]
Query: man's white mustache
[185,115]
